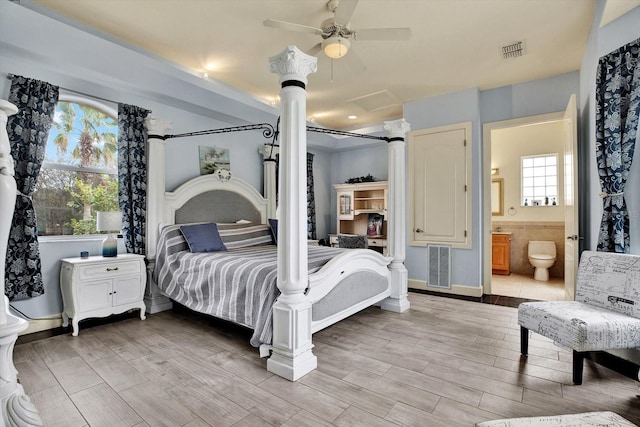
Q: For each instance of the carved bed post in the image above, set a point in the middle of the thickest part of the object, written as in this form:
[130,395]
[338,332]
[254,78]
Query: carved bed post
[292,357]
[397,213]
[17,409]
[270,185]
[153,298]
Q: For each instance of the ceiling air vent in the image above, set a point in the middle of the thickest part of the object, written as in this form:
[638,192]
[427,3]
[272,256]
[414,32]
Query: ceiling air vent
[377,101]
[513,50]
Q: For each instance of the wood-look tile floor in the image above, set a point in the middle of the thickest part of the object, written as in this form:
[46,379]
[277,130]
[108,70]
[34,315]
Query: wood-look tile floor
[445,362]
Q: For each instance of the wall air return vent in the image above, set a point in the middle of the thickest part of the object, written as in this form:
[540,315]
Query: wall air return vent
[513,50]
[439,266]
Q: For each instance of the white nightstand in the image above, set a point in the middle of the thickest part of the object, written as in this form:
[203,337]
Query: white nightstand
[99,286]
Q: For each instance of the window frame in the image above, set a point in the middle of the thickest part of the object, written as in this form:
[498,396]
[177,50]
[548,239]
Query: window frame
[545,186]
[107,107]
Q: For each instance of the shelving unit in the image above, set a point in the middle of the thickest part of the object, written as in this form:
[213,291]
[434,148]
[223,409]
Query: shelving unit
[362,209]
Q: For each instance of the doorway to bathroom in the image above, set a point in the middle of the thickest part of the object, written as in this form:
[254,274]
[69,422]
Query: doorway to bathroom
[517,214]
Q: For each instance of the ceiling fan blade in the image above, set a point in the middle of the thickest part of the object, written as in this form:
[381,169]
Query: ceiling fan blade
[315,50]
[353,62]
[383,34]
[344,11]
[274,23]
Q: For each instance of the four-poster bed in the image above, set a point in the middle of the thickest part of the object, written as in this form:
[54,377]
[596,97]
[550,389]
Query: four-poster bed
[340,282]
[307,301]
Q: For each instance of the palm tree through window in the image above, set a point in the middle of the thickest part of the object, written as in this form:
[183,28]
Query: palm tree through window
[79,173]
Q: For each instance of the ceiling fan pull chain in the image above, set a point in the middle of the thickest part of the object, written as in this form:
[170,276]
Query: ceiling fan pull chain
[332,70]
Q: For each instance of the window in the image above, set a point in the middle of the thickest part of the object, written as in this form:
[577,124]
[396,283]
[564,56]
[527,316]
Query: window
[540,180]
[79,174]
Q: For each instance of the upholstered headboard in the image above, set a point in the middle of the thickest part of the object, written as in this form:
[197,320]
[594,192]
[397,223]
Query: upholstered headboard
[209,199]
[206,207]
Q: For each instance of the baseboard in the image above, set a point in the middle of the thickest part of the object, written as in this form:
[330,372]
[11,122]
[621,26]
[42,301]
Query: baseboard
[469,291]
[37,325]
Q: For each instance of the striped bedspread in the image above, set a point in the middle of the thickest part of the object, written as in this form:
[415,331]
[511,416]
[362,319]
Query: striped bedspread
[238,285]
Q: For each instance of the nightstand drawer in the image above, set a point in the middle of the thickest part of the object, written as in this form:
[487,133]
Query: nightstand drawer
[108,269]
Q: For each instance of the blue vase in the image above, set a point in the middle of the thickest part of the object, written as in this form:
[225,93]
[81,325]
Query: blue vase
[110,247]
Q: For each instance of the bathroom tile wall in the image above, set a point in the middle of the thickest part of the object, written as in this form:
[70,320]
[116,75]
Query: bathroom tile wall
[522,232]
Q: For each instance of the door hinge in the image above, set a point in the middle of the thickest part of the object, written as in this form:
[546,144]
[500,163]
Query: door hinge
[464,142]
[465,233]
[465,188]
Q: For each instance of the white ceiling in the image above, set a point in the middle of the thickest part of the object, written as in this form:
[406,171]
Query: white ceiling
[455,45]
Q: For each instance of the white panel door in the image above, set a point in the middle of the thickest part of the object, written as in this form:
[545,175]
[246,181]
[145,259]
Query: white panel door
[571,247]
[439,188]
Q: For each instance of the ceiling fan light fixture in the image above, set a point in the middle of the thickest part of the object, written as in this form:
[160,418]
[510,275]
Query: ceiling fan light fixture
[335,47]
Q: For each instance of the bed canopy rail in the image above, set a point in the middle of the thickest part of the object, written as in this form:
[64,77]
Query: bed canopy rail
[270,132]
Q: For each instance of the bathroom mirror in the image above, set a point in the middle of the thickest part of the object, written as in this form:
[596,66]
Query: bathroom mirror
[497,196]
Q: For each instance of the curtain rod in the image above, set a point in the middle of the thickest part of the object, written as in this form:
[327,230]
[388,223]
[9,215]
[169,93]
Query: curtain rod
[10,76]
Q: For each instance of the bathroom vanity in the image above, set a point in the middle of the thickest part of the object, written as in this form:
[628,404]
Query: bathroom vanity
[500,253]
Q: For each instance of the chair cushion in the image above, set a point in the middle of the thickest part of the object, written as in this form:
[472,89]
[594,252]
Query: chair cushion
[605,418]
[579,326]
[609,280]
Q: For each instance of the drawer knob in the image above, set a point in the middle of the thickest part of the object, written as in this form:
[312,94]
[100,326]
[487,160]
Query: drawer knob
[112,268]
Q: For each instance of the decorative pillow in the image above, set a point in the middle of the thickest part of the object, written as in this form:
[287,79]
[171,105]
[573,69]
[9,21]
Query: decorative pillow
[273,223]
[203,237]
[352,241]
[241,236]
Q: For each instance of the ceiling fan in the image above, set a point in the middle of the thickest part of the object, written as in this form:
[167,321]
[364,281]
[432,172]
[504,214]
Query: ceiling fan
[336,32]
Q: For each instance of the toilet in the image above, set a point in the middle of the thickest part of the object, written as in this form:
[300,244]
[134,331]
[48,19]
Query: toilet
[542,255]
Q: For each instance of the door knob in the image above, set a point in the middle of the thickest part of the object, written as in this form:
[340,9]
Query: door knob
[573,237]
[418,230]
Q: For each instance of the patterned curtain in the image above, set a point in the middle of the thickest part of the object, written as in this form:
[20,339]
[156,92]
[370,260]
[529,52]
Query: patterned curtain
[311,200]
[617,110]
[132,175]
[311,195]
[28,132]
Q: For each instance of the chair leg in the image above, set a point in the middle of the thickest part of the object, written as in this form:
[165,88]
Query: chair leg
[524,340]
[578,362]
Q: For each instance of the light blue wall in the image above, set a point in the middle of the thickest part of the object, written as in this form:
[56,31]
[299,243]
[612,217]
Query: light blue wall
[521,100]
[528,99]
[602,41]
[76,60]
[451,108]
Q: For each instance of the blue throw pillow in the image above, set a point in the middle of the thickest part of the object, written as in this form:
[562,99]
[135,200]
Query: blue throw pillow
[203,237]
[273,223]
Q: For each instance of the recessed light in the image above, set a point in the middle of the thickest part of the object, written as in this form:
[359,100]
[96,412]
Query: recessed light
[352,117]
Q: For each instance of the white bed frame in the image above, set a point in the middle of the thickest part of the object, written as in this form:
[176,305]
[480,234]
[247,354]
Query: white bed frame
[292,355]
